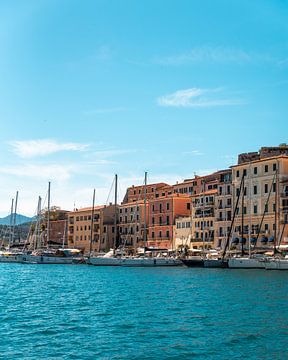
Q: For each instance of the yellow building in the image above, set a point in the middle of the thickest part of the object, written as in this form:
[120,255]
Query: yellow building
[263,201]
[131,224]
[103,233]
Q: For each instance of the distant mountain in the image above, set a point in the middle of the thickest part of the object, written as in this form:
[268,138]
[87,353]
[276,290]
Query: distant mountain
[20,219]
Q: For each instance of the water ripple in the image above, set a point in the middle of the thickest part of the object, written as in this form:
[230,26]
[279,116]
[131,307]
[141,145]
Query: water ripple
[82,312]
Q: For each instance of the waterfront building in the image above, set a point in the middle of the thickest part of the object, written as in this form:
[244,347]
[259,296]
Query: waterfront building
[182,233]
[164,209]
[136,193]
[104,234]
[131,224]
[263,203]
[223,208]
[203,217]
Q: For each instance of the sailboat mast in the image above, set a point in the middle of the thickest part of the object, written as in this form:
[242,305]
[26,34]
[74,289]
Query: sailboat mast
[15,218]
[38,230]
[11,224]
[48,214]
[242,219]
[92,224]
[145,212]
[250,211]
[115,214]
[276,206]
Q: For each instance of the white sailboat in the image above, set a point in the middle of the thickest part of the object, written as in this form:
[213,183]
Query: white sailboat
[47,255]
[8,255]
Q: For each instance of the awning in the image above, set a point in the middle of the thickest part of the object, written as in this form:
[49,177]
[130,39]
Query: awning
[235,241]
[264,239]
[253,240]
[242,241]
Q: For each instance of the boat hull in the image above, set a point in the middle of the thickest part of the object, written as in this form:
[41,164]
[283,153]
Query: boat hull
[276,264]
[193,262]
[151,262]
[11,258]
[38,259]
[216,263]
[246,263]
[133,262]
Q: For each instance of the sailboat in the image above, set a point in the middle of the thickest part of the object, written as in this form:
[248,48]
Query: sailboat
[42,255]
[113,259]
[9,256]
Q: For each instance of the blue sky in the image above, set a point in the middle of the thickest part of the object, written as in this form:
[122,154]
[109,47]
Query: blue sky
[96,87]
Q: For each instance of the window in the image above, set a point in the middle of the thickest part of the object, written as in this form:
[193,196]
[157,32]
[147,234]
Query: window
[274,207]
[274,167]
[255,190]
[153,220]
[266,207]
[255,209]
[237,173]
[160,220]
[188,206]
[153,234]
[167,206]
[245,191]
[153,207]
[167,234]
[167,220]
[266,168]
[274,187]
[160,234]
[244,172]
[237,192]
[160,207]
[244,210]
[255,170]
[266,188]
[228,190]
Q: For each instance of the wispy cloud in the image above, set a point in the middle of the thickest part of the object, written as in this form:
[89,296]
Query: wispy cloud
[193,98]
[193,153]
[43,147]
[55,172]
[214,54]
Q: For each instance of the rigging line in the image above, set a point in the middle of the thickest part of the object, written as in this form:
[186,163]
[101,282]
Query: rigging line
[132,222]
[233,219]
[110,191]
[30,227]
[265,208]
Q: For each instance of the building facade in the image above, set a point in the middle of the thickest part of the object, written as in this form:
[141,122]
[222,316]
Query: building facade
[99,234]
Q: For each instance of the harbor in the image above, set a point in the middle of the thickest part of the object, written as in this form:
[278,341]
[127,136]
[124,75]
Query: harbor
[74,312]
[233,218]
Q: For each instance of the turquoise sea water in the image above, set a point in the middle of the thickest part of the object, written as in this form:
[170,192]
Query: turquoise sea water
[82,312]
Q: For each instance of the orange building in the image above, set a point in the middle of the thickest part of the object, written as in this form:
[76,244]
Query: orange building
[163,212]
[136,193]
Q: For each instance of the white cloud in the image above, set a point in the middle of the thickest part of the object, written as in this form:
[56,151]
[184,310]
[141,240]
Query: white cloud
[193,97]
[42,147]
[193,153]
[44,172]
[214,54]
